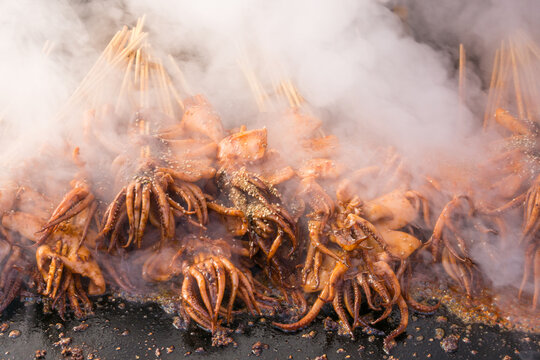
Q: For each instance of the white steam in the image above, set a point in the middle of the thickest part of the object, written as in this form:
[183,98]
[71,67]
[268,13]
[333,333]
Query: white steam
[354,59]
[43,47]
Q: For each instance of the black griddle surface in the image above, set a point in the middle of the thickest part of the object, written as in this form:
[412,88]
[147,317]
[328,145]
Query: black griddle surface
[123,330]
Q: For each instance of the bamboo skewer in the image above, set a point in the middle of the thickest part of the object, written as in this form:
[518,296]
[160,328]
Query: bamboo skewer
[124,83]
[462,60]
[181,77]
[527,86]
[165,88]
[513,83]
[517,86]
[101,68]
[137,66]
[143,81]
[494,75]
[461,83]
[501,79]
[254,83]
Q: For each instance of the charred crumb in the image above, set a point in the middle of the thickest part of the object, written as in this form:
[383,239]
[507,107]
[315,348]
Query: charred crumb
[450,343]
[342,330]
[40,354]
[388,346]
[221,339]
[330,325]
[73,353]
[322,357]
[373,331]
[63,342]
[258,348]
[13,334]
[309,335]
[81,327]
[179,323]
[441,319]
[241,329]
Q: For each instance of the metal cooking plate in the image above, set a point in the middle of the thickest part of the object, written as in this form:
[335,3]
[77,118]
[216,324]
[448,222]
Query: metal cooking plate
[123,330]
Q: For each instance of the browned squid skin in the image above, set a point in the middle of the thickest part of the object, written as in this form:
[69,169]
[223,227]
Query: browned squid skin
[61,262]
[531,264]
[8,196]
[531,227]
[79,260]
[203,291]
[171,191]
[321,207]
[11,277]
[268,223]
[242,156]
[404,275]
[326,295]
[199,117]
[346,297]
[62,267]
[164,264]
[74,202]
[449,247]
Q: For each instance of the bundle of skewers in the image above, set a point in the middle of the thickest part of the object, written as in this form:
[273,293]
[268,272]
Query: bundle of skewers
[164,197]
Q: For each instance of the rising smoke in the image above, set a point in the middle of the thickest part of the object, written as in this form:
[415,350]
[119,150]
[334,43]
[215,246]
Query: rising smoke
[379,79]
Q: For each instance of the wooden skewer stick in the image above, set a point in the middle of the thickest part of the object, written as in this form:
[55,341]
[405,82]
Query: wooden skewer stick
[530,60]
[139,25]
[253,83]
[137,66]
[119,44]
[125,81]
[294,93]
[98,65]
[501,79]
[143,83]
[524,73]
[163,79]
[146,89]
[47,47]
[183,82]
[491,94]
[462,60]
[154,86]
[517,86]
[176,96]
[287,93]
[97,80]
